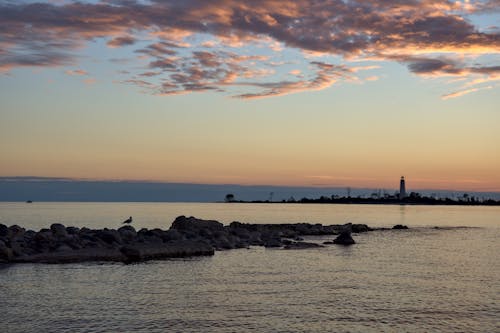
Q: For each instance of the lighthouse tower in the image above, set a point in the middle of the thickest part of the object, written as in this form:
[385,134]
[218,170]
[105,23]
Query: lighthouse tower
[402,188]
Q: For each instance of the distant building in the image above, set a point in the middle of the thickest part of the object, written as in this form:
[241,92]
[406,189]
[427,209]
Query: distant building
[402,188]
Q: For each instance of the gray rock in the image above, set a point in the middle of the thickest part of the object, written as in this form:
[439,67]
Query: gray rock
[131,253]
[344,238]
[4,230]
[172,235]
[59,230]
[63,248]
[6,254]
[14,231]
[192,223]
[400,227]
[272,242]
[72,230]
[358,228]
[109,236]
[127,233]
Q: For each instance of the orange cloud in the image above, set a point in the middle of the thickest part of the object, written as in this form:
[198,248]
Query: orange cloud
[415,33]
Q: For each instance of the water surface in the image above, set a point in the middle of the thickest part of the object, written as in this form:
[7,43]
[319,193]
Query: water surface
[417,280]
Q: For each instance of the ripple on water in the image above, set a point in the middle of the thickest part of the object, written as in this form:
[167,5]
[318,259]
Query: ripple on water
[419,281]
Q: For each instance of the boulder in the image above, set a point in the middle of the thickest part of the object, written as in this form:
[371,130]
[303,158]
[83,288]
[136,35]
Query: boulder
[72,230]
[15,230]
[127,233]
[194,224]
[344,238]
[4,230]
[63,248]
[172,235]
[6,254]
[272,242]
[400,226]
[357,228]
[131,253]
[109,236]
[59,230]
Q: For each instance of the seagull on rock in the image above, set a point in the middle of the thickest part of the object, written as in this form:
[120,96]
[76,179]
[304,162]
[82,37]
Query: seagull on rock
[128,221]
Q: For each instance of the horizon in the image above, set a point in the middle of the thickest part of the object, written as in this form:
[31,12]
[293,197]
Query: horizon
[148,181]
[75,190]
[300,94]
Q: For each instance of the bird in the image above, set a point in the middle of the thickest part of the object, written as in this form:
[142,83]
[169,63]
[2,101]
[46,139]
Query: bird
[128,221]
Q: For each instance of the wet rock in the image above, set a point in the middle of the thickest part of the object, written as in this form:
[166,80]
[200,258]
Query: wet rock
[272,242]
[358,228]
[172,235]
[127,233]
[63,248]
[188,236]
[400,227]
[109,236]
[192,223]
[59,230]
[4,230]
[15,231]
[344,238]
[72,230]
[6,254]
[131,253]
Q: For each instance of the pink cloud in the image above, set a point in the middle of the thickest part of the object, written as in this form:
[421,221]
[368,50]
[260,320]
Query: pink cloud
[409,32]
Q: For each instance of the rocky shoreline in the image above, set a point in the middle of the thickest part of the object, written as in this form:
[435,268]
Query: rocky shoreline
[187,237]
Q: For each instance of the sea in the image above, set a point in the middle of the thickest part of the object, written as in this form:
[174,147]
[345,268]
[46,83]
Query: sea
[440,275]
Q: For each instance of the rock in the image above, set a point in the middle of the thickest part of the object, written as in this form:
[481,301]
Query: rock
[127,233]
[14,231]
[17,245]
[344,238]
[172,235]
[109,236]
[301,245]
[272,242]
[192,223]
[188,236]
[72,230]
[6,254]
[400,226]
[132,254]
[4,230]
[63,248]
[59,230]
[358,228]
[29,235]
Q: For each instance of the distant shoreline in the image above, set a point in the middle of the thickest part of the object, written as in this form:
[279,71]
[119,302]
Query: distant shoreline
[364,201]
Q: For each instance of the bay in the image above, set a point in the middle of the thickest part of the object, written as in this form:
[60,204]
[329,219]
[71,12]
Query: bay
[417,280]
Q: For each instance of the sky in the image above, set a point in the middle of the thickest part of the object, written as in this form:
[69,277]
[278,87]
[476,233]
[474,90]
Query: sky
[298,93]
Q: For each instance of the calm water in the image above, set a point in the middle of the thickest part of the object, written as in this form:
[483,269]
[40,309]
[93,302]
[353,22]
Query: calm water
[420,280]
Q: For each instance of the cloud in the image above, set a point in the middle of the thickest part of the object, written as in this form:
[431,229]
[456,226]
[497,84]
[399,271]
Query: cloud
[121,41]
[76,72]
[188,36]
[463,92]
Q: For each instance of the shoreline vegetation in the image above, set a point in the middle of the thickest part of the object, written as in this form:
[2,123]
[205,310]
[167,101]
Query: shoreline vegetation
[413,198]
[187,237]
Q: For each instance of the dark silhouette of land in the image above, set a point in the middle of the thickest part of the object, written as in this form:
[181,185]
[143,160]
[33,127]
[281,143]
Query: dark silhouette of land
[413,198]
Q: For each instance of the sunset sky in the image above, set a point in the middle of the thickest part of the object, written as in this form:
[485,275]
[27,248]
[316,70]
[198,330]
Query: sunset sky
[262,92]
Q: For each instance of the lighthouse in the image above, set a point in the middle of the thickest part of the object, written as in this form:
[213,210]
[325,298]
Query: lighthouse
[402,188]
